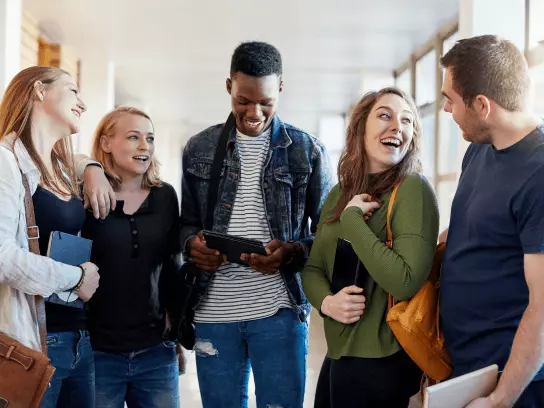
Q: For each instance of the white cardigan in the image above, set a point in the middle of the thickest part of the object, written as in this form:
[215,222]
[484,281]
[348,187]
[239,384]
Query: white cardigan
[22,273]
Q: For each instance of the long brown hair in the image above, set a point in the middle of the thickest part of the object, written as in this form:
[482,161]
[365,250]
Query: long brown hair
[353,165]
[106,128]
[15,113]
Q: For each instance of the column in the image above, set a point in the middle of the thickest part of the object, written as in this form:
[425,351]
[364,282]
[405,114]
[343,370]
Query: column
[10,41]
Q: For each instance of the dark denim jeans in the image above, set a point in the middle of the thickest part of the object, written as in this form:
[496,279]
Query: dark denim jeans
[274,347]
[73,382]
[145,378]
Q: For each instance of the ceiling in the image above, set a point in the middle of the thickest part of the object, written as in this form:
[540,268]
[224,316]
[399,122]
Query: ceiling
[174,55]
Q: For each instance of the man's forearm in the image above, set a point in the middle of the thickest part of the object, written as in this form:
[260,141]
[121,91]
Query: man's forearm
[525,360]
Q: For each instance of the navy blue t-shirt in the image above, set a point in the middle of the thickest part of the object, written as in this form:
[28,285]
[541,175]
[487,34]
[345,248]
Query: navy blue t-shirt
[497,216]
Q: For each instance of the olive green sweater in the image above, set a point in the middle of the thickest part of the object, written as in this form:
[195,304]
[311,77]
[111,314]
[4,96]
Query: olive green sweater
[400,271]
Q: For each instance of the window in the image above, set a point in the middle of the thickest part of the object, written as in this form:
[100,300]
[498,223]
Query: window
[427,145]
[537,77]
[441,167]
[426,79]
[448,149]
[445,193]
[535,53]
[536,27]
[332,132]
[450,42]
[404,82]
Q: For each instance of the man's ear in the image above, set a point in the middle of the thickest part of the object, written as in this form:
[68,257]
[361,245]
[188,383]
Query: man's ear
[482,106]
[229,85]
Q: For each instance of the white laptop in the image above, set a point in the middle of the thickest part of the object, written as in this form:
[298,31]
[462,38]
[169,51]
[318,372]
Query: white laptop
[460,391]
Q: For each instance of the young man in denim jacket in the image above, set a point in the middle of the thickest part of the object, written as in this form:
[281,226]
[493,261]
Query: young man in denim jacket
[273,182]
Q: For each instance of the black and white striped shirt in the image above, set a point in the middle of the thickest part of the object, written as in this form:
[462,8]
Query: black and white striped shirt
[237,292]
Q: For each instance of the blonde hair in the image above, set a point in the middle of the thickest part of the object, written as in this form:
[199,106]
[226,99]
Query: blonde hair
[15,115]
[106,128]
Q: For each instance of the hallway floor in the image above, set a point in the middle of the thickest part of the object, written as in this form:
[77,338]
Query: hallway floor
[190,395]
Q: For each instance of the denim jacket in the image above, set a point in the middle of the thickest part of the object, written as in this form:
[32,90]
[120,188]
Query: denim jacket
[295,182]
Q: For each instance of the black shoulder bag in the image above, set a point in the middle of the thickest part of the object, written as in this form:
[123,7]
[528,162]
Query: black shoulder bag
[183,327]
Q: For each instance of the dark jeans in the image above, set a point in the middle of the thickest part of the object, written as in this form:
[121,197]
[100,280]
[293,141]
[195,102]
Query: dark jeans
[73,382]
[533,397]
[145,378]
[386,382]
[275,347]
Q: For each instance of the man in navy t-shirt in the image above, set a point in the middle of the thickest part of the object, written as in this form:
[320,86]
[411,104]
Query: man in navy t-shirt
[492,286]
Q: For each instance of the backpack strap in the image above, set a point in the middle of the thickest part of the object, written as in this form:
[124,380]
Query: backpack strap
[33,234]
[217,166]
[389,242]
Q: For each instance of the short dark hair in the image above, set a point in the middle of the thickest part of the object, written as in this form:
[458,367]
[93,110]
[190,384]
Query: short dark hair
[491,66]
[257,59]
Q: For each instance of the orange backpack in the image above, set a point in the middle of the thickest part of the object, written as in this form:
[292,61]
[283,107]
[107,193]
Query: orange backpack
[415,322]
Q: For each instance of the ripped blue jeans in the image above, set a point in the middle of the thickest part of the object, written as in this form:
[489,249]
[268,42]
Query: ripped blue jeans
[274,347]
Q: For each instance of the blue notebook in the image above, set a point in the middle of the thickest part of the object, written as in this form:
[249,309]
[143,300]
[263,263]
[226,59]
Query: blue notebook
[71,250]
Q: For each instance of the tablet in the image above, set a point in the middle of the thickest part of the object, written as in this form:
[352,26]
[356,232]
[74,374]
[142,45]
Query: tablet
[233,247]
[460,391]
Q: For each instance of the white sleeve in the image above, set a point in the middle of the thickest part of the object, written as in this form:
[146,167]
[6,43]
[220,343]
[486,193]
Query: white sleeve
[81,162]
[19,268]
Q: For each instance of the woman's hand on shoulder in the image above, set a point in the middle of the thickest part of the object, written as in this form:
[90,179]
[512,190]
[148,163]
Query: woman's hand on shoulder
[97,192]
[365,203]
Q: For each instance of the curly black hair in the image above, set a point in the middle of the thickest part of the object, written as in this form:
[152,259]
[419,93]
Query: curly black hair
[257,59]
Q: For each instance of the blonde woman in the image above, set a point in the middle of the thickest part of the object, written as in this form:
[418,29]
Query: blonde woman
[136,248]
[40,109]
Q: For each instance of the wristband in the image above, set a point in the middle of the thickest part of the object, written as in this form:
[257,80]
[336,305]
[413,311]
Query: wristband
[81,279]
